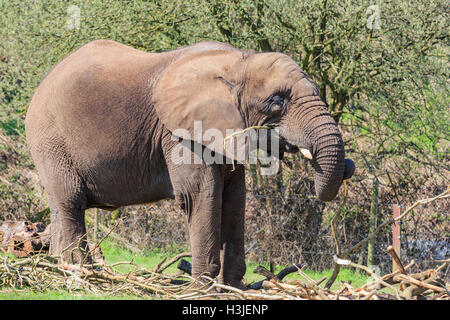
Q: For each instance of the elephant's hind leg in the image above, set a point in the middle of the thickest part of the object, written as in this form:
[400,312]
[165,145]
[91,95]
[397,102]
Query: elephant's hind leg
[68,231]
[66,196]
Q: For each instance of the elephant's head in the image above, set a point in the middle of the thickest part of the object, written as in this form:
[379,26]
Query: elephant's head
[235,90]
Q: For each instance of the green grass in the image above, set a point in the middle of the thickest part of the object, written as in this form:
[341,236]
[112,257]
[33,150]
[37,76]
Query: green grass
[149,260]
[12,294]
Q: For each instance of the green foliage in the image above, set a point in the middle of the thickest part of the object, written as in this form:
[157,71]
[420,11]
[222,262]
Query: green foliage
[35,36]
[387,74]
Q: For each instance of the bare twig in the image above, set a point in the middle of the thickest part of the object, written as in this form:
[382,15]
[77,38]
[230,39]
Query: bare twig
[160,269]
[396,258]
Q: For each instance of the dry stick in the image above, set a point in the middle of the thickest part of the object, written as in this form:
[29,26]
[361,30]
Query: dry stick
[387,278]
[288,270]
[267,127]
[160,268]
[318,282]
[284,288]
[160,264]
[116,237]
[82,250]
[97,245]
[371,273]
[396,258]
[421,283]
[126,278]
[443,195]
[283,273]
[444,264]
[304,275]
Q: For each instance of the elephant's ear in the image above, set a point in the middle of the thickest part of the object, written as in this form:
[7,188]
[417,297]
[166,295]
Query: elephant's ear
[196,90]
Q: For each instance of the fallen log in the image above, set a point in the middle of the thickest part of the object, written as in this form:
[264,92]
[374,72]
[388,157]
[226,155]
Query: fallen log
[417,287]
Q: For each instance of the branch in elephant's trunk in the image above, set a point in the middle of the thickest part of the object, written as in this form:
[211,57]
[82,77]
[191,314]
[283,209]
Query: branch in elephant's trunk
[238,133]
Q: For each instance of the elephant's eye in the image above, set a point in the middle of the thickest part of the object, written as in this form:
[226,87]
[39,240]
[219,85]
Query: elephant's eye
[279,100]
[277,103]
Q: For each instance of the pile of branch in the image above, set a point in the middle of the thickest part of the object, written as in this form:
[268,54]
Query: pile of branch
[424,285]
[42,272]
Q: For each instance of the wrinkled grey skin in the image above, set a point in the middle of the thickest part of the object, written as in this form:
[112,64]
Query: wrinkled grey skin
[99,130]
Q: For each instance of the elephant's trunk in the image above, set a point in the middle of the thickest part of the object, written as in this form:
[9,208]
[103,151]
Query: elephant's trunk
[311,127]
[328,163]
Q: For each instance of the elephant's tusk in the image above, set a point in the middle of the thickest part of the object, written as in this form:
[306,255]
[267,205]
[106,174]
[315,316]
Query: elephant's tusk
[306,153]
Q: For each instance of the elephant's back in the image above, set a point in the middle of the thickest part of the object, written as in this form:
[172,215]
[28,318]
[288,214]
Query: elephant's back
[96,90]
[93,71]
[99,90]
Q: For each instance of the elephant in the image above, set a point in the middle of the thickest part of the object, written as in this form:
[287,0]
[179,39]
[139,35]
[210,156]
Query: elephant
[100,132]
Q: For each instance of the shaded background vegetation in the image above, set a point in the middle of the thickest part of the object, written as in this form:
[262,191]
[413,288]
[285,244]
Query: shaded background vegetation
[382,69]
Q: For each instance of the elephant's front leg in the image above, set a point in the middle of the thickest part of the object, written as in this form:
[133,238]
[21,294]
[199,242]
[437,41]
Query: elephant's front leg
[203,205]
[232,233]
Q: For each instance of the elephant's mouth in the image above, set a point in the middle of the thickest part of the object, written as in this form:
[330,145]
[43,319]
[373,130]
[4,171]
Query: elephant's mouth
[283,145]
[286,147]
